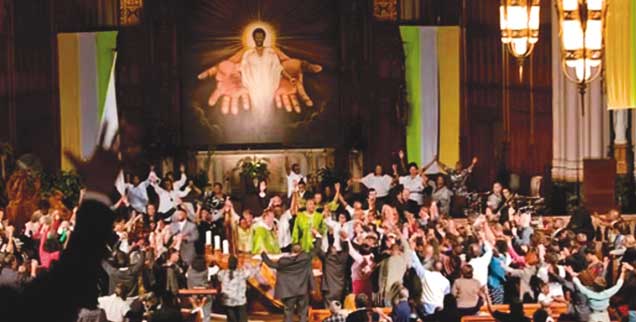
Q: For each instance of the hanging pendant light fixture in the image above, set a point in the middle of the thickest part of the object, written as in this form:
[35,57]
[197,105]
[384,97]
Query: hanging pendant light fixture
[581,25]
[519,24]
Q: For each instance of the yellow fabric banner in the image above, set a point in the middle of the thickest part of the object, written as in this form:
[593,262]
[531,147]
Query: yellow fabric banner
[69,96]
[620,54]
[448,48]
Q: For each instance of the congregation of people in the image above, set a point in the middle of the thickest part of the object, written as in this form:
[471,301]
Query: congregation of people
[391,243]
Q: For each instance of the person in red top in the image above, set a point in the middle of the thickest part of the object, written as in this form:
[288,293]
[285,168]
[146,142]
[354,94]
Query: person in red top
[48,250]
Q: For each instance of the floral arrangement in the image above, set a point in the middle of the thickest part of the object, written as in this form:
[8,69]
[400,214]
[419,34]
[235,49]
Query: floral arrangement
[253,168]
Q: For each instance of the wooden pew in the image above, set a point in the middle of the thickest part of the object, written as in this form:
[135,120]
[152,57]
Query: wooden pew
[318,315]
[556,309]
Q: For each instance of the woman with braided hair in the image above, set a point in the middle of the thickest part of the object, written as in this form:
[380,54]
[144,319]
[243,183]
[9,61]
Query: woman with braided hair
[233,286]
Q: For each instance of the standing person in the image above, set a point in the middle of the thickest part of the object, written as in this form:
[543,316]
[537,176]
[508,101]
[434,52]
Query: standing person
[258,201]
[361,269]
[233,287]
[468,291]
[306,221]
[294,177]
[578,309]
[401,309]
[294,279]
[264,236]
[495,198]
[197,277]
[124,273]
[442,195]
[137,193]
[480,262]
[434,285]
[415,183]
[459,176]
[169,193]
[497,273]
[283,225]
[334,269]
[599,297]
[186,232]
[204,224]
[378,181]
[115,305]
[394,266]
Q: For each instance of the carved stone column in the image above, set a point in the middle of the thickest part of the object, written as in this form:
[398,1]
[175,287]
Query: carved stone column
[621,144]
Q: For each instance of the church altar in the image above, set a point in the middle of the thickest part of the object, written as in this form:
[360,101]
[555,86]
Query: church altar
[223,166]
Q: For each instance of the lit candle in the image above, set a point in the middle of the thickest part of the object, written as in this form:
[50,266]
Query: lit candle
[226,247]
[208,238]
[217,242]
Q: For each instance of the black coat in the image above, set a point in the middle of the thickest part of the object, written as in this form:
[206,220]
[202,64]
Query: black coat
[294,274]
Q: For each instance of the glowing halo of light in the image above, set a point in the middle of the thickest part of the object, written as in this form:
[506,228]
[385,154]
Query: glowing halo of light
[270,34]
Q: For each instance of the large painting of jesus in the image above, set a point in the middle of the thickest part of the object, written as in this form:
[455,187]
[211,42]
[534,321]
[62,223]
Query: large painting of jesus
[260,72]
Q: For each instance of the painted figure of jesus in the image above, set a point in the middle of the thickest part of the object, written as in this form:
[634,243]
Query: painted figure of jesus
[259,75]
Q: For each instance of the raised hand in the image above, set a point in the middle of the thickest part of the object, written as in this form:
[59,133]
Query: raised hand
[291,90]
[100,171]
[229,87]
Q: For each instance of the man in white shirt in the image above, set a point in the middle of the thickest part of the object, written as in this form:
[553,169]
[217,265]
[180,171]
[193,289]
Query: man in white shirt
[480,262]
[114,305]
[415,183]
[169,195]
[283,217]
[379,182]
[434,285]
[137,194]
[293,177]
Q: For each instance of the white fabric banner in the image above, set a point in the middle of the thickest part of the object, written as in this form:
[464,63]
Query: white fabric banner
[429,69]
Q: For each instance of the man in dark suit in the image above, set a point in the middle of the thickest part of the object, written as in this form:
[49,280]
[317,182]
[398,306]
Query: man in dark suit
[188,233]
[124,273]
[58,294]
[294,279]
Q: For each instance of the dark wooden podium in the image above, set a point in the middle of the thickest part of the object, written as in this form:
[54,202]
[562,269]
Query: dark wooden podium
[599,184]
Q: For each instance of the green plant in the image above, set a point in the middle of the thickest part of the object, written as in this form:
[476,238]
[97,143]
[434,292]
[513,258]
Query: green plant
[253,168]
[67,182]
